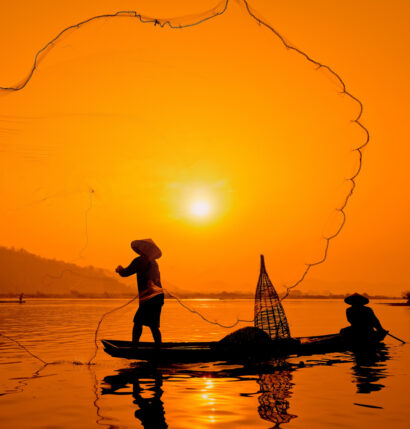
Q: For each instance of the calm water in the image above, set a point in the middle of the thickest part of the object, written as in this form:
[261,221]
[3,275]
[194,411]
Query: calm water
[332,390]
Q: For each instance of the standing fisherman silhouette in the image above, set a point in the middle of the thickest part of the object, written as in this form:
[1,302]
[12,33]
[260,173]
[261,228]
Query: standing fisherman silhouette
[364,323]
[151,294]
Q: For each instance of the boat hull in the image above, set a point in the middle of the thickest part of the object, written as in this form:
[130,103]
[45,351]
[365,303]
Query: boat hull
[170,352]
[212,352]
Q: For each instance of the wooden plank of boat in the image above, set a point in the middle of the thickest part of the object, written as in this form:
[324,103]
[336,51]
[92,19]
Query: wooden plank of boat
[175,352]
[209,351]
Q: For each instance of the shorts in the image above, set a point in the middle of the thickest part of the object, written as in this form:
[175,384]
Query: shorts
[149,312]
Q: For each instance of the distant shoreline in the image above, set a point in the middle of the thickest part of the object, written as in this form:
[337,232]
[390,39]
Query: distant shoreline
[220,296]
[398,304]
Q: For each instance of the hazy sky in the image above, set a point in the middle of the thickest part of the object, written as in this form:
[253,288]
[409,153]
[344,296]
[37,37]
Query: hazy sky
[214,140]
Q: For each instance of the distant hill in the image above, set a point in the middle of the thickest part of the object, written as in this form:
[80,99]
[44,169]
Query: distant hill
[21,271]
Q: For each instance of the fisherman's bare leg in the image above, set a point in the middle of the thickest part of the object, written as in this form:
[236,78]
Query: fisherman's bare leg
[156,334]
[136,333]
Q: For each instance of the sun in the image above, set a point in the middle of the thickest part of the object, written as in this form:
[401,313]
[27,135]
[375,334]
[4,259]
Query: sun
[200,208]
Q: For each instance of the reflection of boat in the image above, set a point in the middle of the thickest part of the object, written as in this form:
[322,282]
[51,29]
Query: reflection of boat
[212,351]
[12,302]
[145,384]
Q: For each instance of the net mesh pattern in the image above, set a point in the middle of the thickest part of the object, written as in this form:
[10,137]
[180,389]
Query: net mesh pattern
[275,389]
[269,313]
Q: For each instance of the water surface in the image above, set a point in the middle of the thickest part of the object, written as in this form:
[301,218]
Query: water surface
[334,390]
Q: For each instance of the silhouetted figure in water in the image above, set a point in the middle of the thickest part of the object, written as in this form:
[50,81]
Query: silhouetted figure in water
[363,321]
[151,411]
[370,369]
[21,298]
[151,295]
[147,396]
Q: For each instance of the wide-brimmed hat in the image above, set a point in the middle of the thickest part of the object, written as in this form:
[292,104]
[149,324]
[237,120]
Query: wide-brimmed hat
[356,299]
[146,248]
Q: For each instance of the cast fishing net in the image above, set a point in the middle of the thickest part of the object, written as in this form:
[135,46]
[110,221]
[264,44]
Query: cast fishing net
[122,118]
[76,166]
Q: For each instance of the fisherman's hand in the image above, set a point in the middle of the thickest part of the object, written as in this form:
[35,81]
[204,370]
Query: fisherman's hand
[119,269]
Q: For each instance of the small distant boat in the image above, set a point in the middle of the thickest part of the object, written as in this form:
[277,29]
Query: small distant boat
[211,351]
[12,301]
[398,304]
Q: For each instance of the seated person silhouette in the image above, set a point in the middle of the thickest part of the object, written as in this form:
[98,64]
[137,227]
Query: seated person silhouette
[363,321]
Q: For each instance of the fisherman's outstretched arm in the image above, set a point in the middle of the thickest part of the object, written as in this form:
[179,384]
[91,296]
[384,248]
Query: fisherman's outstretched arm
[128,271]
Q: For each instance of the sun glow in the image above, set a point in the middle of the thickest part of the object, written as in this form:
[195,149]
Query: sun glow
[200,208]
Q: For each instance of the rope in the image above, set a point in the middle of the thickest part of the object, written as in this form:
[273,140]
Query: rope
[212,322]
[96,346]
[25,349]
[99,325]
[179,300]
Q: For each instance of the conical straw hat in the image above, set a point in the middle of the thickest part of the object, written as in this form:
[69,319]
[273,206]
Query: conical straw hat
[146,248]
[356,299]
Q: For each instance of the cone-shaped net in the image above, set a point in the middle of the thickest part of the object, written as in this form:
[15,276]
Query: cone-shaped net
[269,313]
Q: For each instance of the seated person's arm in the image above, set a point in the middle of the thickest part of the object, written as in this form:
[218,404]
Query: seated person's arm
[376,323]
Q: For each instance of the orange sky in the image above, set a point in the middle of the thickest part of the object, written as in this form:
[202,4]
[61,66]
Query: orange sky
[155,120]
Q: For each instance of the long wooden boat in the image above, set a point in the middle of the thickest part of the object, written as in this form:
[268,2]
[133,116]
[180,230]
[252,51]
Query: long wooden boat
[11,302]
[211,351]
